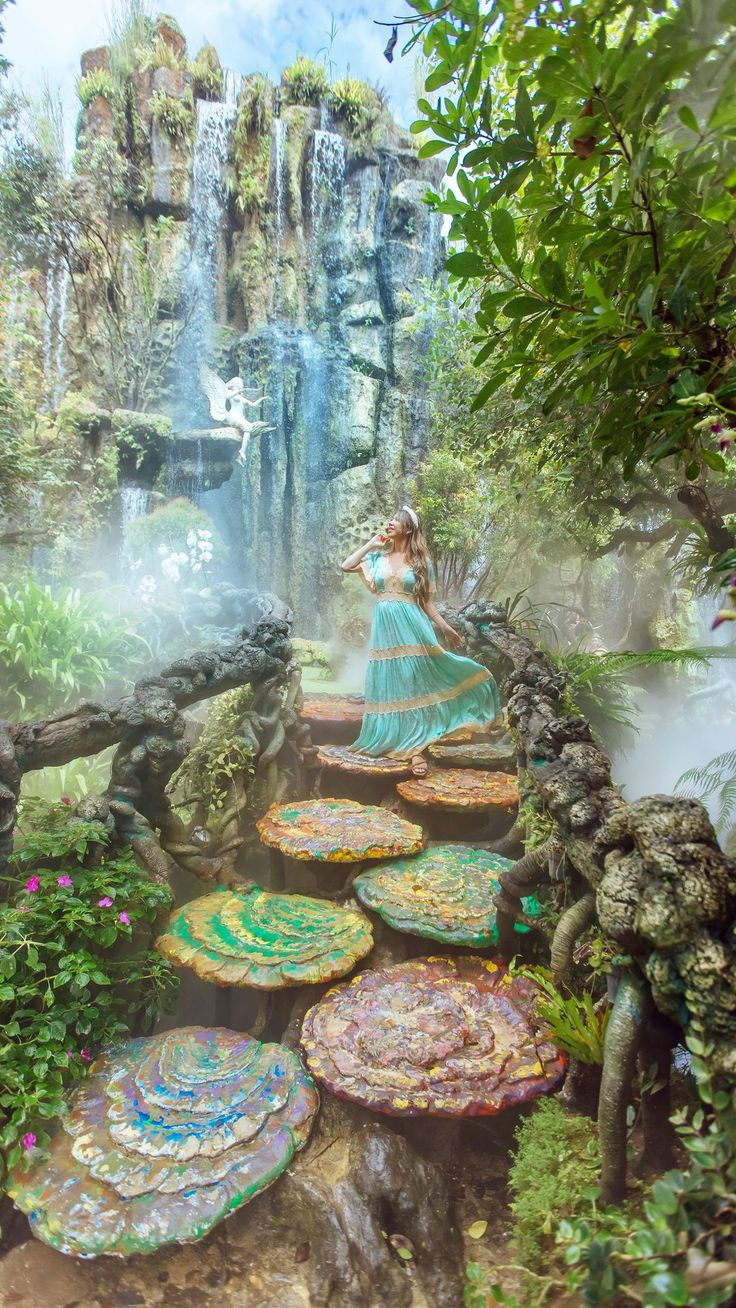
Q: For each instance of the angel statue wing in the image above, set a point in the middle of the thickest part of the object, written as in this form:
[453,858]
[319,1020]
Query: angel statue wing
[216,391]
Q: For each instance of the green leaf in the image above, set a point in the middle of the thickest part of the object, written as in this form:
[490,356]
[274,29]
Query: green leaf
[686,116]
[477,1230]
[523,306]
[466,264]
[644,305]
[431,148]
[503,230]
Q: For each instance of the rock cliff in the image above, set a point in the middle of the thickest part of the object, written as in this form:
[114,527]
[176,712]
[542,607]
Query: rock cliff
[297,248]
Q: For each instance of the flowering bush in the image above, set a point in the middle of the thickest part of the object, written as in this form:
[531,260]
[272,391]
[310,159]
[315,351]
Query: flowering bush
[72,979]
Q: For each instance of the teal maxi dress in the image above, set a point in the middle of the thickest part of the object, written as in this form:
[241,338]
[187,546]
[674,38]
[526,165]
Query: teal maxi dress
[415,691]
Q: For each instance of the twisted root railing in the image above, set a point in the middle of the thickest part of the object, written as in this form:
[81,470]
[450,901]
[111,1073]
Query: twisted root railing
[148,727]
[651,873]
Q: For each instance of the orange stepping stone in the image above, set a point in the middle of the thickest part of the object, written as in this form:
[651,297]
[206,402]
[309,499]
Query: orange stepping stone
[338,831]
[464,790]
[343,759]
[321,710]
[447,1037]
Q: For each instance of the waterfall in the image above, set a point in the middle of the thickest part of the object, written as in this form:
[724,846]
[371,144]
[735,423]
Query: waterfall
[386,184]
[431,241]
[328,177]
[135,502]
[57,291]
[277,186]
[208,201]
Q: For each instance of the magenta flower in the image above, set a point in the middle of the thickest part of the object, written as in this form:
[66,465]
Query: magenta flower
[29,1140]
[65,799]
[33,885]
[64,881]
[85,1055]
[716,428]
[725,443]
[70,1053]
[23,908]
[105,902]
[123,917]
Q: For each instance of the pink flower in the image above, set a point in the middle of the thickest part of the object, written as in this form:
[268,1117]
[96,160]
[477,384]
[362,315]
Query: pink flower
[23,908]
[33,885]
[29,1140]
[64,881]
[123,917]
[70,1053]
[105,902]
[725,443]
[85,1055]
[65,799]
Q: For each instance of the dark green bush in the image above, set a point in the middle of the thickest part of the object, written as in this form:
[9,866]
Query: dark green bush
[551,1178]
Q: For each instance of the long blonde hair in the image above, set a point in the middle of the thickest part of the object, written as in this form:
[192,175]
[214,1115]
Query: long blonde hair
[417,554]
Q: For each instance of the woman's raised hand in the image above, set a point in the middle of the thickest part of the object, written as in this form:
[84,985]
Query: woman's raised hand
[378,540]
[453,637]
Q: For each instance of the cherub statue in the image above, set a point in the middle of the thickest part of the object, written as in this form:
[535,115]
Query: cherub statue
[227,404]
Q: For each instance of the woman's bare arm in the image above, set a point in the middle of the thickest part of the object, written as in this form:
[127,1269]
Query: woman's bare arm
[354,560]
[451,635]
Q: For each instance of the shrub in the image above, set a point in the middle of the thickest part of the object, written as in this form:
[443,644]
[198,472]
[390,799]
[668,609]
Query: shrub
[206,73]
[553,1172]
[222,751]
[255,108]
[174,116]
[69,981]
[97,82]
[160,55]
[56,649]
[169,527]
[354,101]
[305,82]
[573,1022]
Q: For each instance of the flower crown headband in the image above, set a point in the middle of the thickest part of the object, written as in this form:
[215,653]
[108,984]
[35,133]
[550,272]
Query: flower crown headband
[415,520]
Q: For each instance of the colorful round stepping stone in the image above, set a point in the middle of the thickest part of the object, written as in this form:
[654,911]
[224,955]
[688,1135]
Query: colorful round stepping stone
[338,831]
[344,759]
[446,893]
[167,1135]
[447,1037]
[486,754]
[329,709]
[461,789]
[255,938]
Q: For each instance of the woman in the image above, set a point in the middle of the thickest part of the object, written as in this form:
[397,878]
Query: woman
[415,692]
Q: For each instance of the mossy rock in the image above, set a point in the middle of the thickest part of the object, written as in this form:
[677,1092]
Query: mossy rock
[80,415]
[144,428]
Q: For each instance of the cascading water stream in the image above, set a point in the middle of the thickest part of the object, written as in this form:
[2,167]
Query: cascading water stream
[328,178]
[208,201]
[56,296]
[278,190]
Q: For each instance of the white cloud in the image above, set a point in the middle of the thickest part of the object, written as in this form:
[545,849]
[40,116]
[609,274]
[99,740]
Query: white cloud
[45,38]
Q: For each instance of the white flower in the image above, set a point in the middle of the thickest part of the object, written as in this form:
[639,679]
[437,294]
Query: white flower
[205,534]
[170,569]
[191,538]
[136,564]
[196,567]
[163,551]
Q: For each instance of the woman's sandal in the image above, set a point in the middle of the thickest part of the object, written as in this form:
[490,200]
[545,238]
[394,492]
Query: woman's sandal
[418,765]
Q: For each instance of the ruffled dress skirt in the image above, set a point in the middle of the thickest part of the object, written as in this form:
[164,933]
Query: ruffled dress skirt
[415,691]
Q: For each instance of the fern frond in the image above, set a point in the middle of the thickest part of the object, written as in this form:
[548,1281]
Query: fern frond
[705,780]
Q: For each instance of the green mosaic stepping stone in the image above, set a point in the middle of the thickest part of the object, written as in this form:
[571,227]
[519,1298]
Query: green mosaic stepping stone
[446,894]
[255,938]
[167,1135]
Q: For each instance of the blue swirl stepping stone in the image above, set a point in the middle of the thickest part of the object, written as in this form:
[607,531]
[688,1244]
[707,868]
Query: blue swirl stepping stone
[167,1135]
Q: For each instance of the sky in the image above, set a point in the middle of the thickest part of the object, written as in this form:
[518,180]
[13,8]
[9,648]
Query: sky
[45,38]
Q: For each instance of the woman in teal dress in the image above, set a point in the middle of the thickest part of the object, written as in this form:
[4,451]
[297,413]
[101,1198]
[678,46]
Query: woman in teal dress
[415,691]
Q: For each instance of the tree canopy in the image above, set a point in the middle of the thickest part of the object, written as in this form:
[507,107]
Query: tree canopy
[592,151]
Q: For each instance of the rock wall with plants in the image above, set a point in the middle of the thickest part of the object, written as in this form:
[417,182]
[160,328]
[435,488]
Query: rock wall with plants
[277,233]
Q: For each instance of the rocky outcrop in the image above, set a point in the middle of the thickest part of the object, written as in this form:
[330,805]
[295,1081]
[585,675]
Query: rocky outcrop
[301,269]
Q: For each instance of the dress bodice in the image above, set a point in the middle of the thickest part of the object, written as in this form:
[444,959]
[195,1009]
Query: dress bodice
[384,582]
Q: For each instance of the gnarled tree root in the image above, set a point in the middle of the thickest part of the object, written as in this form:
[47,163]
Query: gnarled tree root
[631,1011]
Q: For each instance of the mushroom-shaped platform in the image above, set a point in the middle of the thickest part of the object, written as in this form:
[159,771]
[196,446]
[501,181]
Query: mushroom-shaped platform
[255,938]
[344,759]
[320,710]
[167,1136]
[449,1037]
[481,754]
[338,831]
[463,790]
[445,893]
